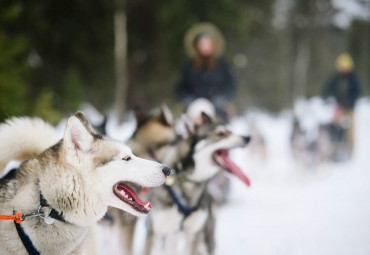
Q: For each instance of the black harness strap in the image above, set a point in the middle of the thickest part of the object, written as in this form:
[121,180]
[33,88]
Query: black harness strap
[184,209]
[27,243]
[182,166]
[53,213]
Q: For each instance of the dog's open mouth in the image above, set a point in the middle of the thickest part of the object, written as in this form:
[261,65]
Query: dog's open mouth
[129,196]
[221,158]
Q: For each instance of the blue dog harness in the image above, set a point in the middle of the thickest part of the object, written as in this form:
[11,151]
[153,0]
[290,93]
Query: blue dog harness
[27,243]
[184,209]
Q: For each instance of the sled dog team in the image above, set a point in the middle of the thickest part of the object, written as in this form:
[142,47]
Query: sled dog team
[65,188]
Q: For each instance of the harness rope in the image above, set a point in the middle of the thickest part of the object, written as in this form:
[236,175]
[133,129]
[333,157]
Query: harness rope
[17,217]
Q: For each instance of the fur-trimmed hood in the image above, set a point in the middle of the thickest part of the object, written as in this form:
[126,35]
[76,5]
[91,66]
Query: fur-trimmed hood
[208,28]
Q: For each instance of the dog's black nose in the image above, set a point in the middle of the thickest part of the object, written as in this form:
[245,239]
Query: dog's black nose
[166,170]
[246,139]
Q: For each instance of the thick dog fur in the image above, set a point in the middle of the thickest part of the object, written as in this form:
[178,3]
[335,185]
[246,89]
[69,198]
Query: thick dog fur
[75,175]
[154,140]
[170,230]
[14,138]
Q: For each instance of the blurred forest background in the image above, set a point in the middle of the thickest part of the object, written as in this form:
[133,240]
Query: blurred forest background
[55,55]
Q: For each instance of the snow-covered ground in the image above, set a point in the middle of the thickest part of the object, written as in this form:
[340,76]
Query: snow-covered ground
[290,210]
[327,215]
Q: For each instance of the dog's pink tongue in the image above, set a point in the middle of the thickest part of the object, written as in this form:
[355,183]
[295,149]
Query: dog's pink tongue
[234,168]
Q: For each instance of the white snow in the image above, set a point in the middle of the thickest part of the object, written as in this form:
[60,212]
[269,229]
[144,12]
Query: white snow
[346,11]
[299,211]
[349,10]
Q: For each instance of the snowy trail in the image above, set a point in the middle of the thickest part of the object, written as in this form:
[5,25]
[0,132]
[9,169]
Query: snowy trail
[292,211]
[327,216]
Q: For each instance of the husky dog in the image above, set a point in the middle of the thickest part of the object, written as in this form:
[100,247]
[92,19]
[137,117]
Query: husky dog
[63,188]
[219,186]
[153,139]
[154,135]
[184,220]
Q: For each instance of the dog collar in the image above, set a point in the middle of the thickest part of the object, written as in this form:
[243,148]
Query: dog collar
[53,214]
[49,219]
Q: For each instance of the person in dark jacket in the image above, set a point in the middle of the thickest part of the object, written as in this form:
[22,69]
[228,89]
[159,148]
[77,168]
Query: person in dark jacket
[206,74]
[345,89]
[344,86]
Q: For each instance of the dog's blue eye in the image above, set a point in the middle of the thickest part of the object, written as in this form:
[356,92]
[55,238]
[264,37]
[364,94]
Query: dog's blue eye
[128,158]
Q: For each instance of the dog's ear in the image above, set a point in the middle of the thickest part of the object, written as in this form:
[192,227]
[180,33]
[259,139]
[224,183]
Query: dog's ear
[79,115]
[166,116]
[76,135]
[206,119]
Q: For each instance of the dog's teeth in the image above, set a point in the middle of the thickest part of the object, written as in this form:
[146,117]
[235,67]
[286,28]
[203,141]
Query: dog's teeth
[130,199]
[147,205]
[220,160]
[122,193]
[126,196]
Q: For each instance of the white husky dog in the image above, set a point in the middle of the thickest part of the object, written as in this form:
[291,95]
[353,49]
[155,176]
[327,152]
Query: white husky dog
[65,186]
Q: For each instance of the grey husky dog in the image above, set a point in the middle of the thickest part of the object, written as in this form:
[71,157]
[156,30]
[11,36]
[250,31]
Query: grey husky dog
[64,187]
[184,220]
